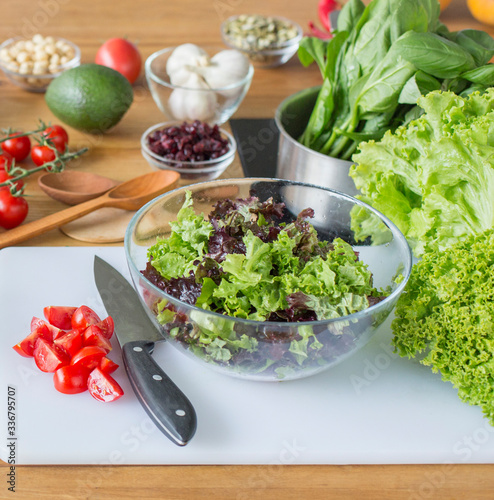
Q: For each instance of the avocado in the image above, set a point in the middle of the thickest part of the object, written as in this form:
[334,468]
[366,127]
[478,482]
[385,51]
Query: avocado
[90,97]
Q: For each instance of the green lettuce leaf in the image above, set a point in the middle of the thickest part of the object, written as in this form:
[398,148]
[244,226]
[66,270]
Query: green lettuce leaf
[446,317]
[434,177]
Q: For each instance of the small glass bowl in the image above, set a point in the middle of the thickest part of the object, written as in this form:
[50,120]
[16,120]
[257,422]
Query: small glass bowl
[189,171]
[38,83]
[227,99]
[273,359]
[269,57]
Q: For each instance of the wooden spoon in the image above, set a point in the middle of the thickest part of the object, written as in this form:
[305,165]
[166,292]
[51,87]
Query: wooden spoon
[73,187]
[130,195]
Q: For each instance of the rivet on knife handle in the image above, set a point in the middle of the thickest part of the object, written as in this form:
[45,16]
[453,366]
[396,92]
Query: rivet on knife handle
[163,401]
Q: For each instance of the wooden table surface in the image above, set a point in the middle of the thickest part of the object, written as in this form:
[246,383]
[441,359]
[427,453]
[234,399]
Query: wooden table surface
[156,24]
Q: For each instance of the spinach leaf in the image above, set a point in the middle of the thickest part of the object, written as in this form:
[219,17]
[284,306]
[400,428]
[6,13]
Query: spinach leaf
[313,49]
[381,92]
[387,21]
[419,84]
[349,15]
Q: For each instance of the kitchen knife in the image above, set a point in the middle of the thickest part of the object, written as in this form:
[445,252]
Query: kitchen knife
[163,401]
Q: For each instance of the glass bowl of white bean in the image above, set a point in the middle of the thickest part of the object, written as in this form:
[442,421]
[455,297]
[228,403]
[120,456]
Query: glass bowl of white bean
[33,63]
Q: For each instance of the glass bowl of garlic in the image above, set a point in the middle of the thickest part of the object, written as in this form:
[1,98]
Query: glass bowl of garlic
[33,63]
[187,84]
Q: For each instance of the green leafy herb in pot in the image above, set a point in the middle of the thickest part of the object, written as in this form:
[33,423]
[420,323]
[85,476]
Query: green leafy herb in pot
[446,313]
[434,177]
[382,58]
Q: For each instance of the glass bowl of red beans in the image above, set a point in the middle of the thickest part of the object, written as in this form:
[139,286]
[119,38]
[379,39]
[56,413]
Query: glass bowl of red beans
[196,150]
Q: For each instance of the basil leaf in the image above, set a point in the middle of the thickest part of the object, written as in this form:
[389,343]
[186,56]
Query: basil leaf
[434,54]
[483,75]
[478,43]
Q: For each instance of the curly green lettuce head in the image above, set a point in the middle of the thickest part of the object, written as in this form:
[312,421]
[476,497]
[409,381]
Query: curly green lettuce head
[434,177]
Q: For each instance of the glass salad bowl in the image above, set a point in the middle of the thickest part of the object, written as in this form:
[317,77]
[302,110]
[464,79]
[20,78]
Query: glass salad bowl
[236,344]
[176,102]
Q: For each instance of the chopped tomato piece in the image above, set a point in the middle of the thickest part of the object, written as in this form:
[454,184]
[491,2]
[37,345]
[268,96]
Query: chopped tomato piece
[89,357]
[19,350]
[35,322]
[48,357]
[83,317]
[107,327]
[70,342]
[71,379]
[107,365]
[103,386]
[27,345]
[55,331]
[60,316]
[93,335]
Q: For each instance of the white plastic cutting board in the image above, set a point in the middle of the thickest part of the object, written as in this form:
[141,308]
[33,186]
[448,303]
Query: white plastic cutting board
[375,408]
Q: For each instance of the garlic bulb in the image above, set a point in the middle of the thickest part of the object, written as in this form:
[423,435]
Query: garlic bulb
[191,104]
[183,61]
[225,68]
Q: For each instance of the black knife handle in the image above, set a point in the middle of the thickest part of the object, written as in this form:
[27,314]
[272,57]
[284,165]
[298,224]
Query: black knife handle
[164,402]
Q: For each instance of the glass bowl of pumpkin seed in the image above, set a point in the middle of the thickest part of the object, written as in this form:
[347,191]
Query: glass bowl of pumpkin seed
[268,41]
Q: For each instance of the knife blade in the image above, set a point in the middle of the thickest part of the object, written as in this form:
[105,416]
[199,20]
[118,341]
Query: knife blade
[164,402]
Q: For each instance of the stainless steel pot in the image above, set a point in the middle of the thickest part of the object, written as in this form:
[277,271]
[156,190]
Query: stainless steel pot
[299,163]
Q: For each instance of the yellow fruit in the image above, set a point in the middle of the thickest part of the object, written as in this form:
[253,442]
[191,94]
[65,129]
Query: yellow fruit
[444,3]
[482,10]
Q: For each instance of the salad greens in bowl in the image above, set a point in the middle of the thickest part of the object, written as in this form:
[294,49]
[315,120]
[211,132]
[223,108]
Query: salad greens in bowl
[262,278]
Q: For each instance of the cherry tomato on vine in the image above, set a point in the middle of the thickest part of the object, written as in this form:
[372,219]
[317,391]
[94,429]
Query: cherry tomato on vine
[122,56]
[5,160]
[58,135]
[4,176]
[13,209]
[42,154]
[18,147]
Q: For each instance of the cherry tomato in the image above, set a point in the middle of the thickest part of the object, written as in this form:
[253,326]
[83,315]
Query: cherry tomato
[70,342]
[49,357]
[60,316]
[18,147]
[103,387]
[13,209]
[71,379]
[5,160]
[83,317]
[89,357]
[58,136]
[4,176]
[42,154]
[122,56]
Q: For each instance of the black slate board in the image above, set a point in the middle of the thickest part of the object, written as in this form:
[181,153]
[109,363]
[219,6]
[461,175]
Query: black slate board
[257,145]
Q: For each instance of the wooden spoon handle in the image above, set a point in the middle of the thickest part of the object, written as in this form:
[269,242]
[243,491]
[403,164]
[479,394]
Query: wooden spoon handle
[40,226]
